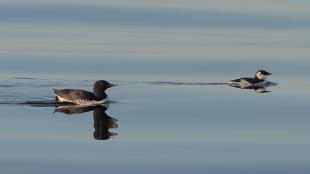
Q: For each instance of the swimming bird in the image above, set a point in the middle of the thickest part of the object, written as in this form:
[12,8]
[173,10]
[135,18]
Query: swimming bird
[82,97]
[260,79]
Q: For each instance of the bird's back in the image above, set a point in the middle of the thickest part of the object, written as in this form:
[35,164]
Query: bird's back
[74,95]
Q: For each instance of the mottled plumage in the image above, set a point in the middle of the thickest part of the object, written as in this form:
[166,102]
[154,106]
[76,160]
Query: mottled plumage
[83,97]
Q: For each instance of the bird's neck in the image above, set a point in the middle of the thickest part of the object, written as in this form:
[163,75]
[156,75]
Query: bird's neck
[258,79]
[100,95]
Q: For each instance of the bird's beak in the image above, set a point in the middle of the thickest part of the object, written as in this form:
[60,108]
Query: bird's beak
[269,74]
[111,85]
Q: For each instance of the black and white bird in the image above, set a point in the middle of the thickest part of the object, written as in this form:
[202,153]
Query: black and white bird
[82,97]
[260,79]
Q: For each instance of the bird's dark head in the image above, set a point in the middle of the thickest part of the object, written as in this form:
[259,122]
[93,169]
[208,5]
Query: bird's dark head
[100,86]
[103,85]
[262,74]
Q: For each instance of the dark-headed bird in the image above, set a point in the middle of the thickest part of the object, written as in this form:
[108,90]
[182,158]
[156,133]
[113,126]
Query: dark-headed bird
[82,97]
[260,79]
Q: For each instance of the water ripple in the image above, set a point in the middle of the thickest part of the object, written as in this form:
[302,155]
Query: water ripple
[38,92]
[185,83]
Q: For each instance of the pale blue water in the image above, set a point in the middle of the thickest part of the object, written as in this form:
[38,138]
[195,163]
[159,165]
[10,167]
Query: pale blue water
[171,112]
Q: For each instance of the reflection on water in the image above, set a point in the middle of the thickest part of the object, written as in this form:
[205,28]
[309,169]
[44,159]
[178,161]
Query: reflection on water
[217,139]
[102,122]
[74,109]
[258,89]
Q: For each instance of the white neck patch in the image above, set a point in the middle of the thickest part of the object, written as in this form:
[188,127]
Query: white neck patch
[261,76]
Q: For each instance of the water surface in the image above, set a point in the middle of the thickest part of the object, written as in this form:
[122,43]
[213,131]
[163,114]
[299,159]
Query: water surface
[172,111]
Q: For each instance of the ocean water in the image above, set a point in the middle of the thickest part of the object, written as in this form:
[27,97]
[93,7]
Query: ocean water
[172,111]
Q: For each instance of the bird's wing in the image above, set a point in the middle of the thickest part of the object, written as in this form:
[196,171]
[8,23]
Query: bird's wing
[73,94]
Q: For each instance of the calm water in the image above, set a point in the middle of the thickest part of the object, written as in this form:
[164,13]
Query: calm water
[171,112]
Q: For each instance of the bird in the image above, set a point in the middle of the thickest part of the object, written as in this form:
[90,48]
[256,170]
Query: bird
[83,97]
[259,80]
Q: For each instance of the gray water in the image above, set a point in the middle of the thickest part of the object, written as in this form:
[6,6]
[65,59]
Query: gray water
[171,111]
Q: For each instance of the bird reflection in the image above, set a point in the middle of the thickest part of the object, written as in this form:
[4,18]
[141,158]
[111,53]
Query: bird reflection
[102,122]
[258,89]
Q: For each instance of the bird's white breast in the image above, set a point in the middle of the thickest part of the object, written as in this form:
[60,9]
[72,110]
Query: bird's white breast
[84,102]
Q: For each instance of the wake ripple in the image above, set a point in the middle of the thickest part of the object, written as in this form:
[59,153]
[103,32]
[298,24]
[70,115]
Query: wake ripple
[186,83]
